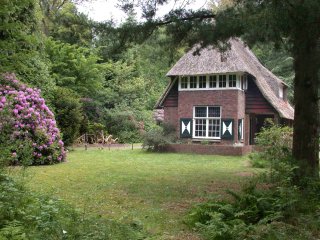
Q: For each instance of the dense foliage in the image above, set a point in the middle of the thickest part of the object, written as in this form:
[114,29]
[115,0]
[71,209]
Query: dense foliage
[29,134]
[276,143]
[159,136]
[270,206]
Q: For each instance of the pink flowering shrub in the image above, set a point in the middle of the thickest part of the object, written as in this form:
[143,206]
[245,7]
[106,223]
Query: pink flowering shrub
[28,130]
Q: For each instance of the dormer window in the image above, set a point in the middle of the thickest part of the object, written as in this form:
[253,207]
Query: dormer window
[232,81]
[281,92]
[213,82]
[184,82]
[222,81]
[193,82]
[202,81]
[244,82]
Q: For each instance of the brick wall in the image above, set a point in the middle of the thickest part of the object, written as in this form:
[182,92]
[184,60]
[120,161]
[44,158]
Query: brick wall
[225,150]
[232,103]
[171,116]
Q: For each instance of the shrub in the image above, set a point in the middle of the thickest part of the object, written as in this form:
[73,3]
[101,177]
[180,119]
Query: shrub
[159,136]
[275,142]
[29,134]
[123,124]
[275,145]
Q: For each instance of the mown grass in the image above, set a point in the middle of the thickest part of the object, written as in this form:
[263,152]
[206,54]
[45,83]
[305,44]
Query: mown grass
[154,190]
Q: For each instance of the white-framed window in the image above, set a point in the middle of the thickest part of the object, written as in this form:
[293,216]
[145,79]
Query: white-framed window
[232,81]
[222,81]
[281,91]
[193,82]
[207,122]
[184,82]
[213,82]
[243,82]
[202,81]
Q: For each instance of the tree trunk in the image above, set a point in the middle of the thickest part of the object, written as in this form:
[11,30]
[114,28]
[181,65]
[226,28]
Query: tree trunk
[306,100]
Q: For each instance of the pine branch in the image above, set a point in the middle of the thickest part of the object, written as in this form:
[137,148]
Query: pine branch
[198,17]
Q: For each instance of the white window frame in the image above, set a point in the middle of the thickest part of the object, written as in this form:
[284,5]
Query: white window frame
[207,118]
[216,79]
[197,82]
[206,82]
[239,77]
[281,91]
[180,82]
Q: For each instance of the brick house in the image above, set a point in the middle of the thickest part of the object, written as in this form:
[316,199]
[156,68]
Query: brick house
[223,98]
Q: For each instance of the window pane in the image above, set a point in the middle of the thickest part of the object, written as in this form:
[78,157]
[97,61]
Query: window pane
[193,82]
[214,128]
[200,127]
[213,81]
[202,81]
[184,82]
[214,111]
[222,81]
[232,80]
[200,111]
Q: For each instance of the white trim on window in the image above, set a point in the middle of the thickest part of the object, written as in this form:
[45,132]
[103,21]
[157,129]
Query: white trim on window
[281,91]
[204,126]
[240,84]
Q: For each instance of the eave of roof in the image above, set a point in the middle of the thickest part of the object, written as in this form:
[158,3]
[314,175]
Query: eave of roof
[165,94]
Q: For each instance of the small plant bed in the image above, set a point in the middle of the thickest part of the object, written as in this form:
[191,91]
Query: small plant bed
[153,191]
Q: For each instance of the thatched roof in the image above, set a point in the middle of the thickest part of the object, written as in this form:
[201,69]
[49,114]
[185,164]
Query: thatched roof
[238,58]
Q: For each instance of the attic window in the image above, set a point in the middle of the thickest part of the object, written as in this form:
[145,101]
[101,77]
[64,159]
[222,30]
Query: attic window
[233,81]
[193,82]
[184,82]
[202,81]
[222,81]
[213,81]
[244,82]
[281,92]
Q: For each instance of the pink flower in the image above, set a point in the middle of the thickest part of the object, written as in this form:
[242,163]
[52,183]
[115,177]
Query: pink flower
[30,118]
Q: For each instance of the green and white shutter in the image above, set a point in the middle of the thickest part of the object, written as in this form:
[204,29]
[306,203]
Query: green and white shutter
[186,127]
[227,129]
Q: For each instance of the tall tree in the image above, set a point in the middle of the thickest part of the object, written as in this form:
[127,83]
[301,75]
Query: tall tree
[21,43]
[293,22]
[62,21]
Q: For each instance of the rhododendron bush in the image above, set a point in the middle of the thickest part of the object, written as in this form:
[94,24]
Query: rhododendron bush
[28,130]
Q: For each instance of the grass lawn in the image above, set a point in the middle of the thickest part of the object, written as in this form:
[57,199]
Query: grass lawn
[153,189]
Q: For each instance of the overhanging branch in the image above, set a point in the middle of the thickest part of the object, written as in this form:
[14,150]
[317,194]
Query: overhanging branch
[188,18]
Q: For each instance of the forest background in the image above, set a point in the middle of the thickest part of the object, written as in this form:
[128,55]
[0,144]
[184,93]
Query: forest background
[98,75]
